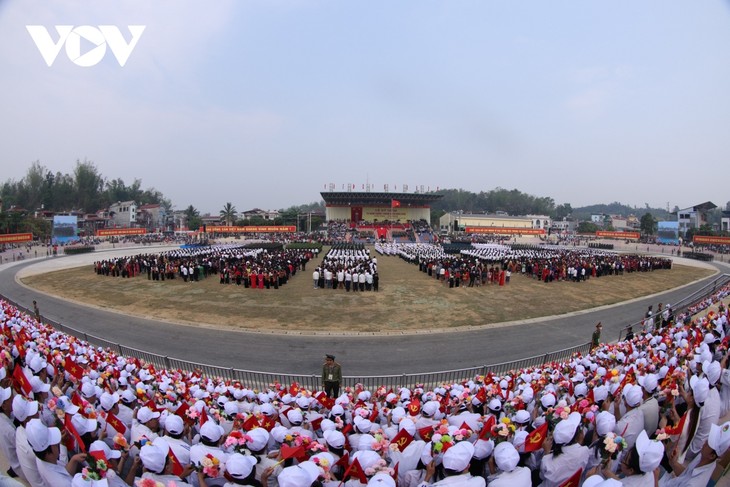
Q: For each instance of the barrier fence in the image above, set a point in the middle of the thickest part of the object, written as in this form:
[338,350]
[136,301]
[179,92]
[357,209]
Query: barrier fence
[262,380]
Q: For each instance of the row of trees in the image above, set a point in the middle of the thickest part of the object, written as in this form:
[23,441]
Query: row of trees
[84,190]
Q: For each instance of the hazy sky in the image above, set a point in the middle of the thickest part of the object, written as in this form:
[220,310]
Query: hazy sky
[262,103]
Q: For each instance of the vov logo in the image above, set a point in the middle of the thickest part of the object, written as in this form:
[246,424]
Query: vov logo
[98,37]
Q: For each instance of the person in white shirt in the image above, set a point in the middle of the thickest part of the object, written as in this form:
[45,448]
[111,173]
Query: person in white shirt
[7,432]
[506,457]
[564,454]
[45,442]
[24,411]
[456,468]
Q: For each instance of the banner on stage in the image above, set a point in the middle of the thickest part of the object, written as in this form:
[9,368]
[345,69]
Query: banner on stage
[253,229]
[623,235]
[113,232]
[15,237]
[506,230]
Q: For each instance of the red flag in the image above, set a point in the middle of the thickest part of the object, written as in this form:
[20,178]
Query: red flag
[402,439]
[292,452]
[203,417]
[77,401]
[374,414]
[487,428]
[182,410]
[627,379]
[294,388]
[395,473]
[465,426]
[394,204]
[177,467]
[251,423]
[414,407]
[676,430]
[535,438]
[98,455]
[344,461]
[355,470]
[426,433]
[68,425]
[590,396]
[268,423]
[482,395]
[316,423]
[21,380]
[115,423]
[574,480]
[73,368]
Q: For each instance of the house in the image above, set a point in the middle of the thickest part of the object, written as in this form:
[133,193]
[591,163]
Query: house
[259,213]
[694,216]
[123,214]
[152,217]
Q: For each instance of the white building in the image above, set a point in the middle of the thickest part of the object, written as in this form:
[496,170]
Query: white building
[694,216]
[123,214]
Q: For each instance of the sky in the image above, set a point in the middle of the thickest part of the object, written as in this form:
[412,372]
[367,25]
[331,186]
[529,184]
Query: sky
[266,103]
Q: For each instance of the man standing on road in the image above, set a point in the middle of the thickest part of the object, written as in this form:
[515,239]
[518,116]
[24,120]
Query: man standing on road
[331,376]
[36,311]
[596,337]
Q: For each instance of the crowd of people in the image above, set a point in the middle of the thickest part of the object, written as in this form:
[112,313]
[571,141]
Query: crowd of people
[347,267]
[643,411]
[256,268]
[483,263]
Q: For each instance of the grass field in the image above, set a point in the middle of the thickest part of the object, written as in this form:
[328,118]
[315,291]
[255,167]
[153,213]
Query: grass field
[408,300]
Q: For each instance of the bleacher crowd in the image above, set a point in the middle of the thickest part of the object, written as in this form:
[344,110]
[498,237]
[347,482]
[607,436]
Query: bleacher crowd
[644,411]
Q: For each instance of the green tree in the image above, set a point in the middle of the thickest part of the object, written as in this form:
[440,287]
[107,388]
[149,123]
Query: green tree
[587,227]
[648,224]
[192,216]
[228,213]
[563,211]
[89,185]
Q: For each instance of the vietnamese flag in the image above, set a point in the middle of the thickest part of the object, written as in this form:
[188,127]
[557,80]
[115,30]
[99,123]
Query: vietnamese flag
[21,380]
[402,439]
[574,480]
[251,423]
[394,204]
[98,455]
[426,433]
[116,423]
[482,395]
[177,467]
[203,417]
[535,438]
[182,410]
[73,368]
[294,388]
[355,470]
[487,428]
[68,425]
[268,423]
[316,423]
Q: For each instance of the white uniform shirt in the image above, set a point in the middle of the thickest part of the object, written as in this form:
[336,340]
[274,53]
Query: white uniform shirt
[519,477]
[7,443]
[27,459]
[53,474]
[556,470]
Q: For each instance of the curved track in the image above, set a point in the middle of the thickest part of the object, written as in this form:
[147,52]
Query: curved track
[360,355]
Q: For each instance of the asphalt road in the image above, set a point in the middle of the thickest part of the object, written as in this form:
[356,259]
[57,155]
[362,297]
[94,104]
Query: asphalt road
[360,355]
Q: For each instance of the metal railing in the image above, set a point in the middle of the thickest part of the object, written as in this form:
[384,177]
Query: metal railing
[685,303]
[262,380]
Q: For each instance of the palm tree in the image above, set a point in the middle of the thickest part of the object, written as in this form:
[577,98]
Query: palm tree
[192,217]
[228,214]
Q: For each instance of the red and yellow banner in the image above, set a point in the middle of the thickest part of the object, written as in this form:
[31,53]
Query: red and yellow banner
[506,231]
[706,239]
[15,237]
[253,229]
[630,235]
[110,232]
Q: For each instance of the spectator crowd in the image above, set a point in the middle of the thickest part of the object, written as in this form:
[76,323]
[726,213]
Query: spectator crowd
[643,411]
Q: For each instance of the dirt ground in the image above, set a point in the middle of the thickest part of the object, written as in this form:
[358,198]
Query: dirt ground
[408,300]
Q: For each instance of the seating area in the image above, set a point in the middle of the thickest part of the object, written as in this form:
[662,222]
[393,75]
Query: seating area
[610,414]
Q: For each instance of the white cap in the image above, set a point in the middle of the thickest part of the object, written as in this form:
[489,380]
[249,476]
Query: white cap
[211,431]
[174,424]
[146,414]
[605,423]
[40,437]
[154,455]
[381,480]
[240,466]
[457,457]
[650,452]
[83,425]
[633,395]
[24,409]
[108,452]
[506,456]
[5,394]
[334,438]
[259,439]
[565,429]
[719,438]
